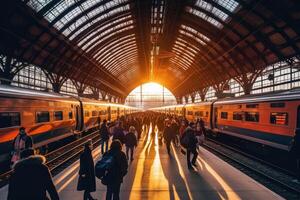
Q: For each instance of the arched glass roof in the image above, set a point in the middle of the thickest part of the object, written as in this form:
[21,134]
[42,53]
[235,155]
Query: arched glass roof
[116,45]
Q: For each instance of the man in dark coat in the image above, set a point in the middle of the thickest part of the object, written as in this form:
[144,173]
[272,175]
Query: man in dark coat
[191,146]
[130,142]
[87,181]
[168,136]
[31,179]
[175,132]
[118,170]
[21,142]
[104,135]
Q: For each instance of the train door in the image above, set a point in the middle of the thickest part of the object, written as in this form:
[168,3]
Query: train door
[215,119]
[79,118]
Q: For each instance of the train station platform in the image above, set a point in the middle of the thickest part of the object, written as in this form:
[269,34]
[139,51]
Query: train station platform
[155,175]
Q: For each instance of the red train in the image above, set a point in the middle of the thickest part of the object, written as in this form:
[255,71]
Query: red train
[49,117]
[270,119]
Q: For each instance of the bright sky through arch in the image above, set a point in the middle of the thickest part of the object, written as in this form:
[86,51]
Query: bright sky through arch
[150,95]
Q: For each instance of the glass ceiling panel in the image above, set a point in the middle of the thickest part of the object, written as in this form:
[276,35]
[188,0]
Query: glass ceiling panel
[118,52]
[204,17]
[117,66]
[230,5]
[37,5]
[103,36]
[192,30]
[124,48]
[116,56]
[106,48]
[74,34]
[102,31]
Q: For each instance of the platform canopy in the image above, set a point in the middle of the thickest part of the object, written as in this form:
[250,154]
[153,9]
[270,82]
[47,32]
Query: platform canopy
[117,45]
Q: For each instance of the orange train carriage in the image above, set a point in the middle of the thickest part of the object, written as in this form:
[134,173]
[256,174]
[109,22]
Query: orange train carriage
[49,117]
[270,119]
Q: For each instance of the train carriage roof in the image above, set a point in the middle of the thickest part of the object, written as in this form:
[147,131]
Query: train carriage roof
[16,92]
[270,97]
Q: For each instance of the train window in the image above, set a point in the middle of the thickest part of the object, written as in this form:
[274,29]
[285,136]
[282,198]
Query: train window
[103,112]
[252,116]
[42,116]
[237,116]
[277,105]
[9,119]
[279,118]
[70,115]
[58,115]
[252,106]
[224,115]
[190,113]
[86,113]
[197,113]
[94,113]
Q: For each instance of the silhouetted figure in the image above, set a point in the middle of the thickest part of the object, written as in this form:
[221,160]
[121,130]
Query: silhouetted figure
[116,172]
[175,132]
[190,141]
[130,142]
[104,135]
[168,136]
[86,181]
[31,179]
[118,133]
[21,142]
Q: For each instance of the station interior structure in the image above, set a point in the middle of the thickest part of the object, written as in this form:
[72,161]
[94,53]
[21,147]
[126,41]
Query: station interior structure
[190,50]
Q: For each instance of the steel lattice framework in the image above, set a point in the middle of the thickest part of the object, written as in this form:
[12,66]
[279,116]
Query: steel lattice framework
[112,44]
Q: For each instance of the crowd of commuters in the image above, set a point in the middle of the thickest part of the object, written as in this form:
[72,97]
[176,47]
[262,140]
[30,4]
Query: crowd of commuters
[125,131]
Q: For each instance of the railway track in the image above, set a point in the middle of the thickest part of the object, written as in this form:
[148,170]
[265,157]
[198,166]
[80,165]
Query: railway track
[275,178]
[61,156]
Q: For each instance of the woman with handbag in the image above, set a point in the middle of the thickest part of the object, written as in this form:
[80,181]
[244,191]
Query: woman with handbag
[87,181]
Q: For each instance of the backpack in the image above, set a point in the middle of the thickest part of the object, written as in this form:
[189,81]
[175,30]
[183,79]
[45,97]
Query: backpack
[104,165]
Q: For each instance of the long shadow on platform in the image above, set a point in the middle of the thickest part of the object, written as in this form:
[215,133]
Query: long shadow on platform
[197,186]
[172,174]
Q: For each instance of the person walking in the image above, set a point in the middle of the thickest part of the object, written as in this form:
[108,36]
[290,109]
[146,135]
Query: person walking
[116,172]
[130,142]
[175,132]
[31,178]
[21,142]
[118,133]
[104,135]
[86,180]
[190,141]
[168,136]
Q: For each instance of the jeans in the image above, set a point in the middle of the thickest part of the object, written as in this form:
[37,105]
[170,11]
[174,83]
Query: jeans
[131,149]
[188,156]
[113,191]
[104,142]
